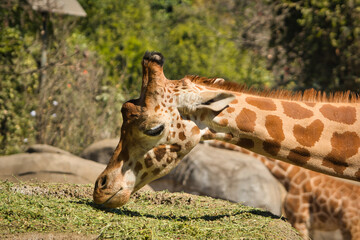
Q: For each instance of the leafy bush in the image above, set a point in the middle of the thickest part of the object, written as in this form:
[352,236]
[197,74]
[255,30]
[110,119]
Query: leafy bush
[94,64]
[17,91]
[316,44]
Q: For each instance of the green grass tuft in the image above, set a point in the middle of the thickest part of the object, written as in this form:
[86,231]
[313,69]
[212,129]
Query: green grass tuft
[67,210]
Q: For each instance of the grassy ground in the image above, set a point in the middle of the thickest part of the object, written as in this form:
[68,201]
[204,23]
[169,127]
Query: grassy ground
[63,211]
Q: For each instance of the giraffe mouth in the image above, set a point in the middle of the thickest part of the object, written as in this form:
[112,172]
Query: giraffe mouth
[118,199]
[110,198]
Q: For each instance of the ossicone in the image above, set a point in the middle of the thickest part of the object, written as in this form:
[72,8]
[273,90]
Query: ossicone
[153,56]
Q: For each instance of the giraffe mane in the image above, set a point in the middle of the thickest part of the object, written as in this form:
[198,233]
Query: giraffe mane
[309,95]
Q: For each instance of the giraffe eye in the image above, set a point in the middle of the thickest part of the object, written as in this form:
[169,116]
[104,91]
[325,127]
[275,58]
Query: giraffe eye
[155,131]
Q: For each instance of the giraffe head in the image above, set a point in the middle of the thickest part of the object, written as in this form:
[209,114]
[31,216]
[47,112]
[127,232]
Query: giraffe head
[155,135]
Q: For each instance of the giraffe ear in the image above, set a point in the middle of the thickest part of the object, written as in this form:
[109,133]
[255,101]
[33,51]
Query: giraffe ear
[209,100]
[215,101]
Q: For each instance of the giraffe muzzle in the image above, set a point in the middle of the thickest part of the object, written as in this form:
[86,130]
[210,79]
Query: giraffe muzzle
[110,191]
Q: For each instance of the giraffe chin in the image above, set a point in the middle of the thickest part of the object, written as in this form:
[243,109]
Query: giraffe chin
[118,199]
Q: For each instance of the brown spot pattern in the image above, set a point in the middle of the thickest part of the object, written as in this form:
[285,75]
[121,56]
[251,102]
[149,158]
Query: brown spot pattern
[293,204]
[291,172]
[323,217]
[182,136]
[169,159]
[299,178]
[274,126]
[230,109]
[245,143]
[157,108]
[148,161]
[308,136]
[343,114]
[272,147]
[160,152]
[156,171]
[344,145]
[195,130]
[175,147]
[295,111]
[299,155]
[188,145]
[278,173]
[245,121]
[261,103]
[144,175]
[138,167]
[224,122]
[235,101]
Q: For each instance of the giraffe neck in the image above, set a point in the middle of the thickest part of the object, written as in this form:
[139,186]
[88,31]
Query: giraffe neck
[320,136]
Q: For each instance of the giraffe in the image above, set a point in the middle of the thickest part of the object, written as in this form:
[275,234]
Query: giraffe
[171,116]
[314,201]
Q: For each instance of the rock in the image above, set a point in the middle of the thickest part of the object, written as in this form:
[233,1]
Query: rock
[49,167]
[44,148]
[100,151]
[224,174]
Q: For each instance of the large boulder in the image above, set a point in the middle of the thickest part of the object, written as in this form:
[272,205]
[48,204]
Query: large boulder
[49,167]
[100,151]
[44,148]
[224,174]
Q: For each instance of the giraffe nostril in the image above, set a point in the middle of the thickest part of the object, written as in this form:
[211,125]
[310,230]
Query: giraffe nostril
[102,182]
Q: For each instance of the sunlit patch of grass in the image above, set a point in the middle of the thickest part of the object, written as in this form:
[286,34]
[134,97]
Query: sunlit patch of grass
[65,208]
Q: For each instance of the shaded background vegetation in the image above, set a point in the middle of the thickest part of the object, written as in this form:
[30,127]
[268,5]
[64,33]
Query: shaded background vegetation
[94,62]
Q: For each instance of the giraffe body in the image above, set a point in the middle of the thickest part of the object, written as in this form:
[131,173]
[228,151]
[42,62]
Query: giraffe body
[314,201]
[171,116]
[318,202]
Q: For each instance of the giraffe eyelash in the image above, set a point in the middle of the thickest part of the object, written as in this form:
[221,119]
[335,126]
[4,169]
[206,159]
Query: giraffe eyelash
[155,131]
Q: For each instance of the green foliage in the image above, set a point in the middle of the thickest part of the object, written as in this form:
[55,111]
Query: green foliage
[317,43]
[122,33]
[94,63]
[18,83]
[197,43]
[193,39]
[16,92]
